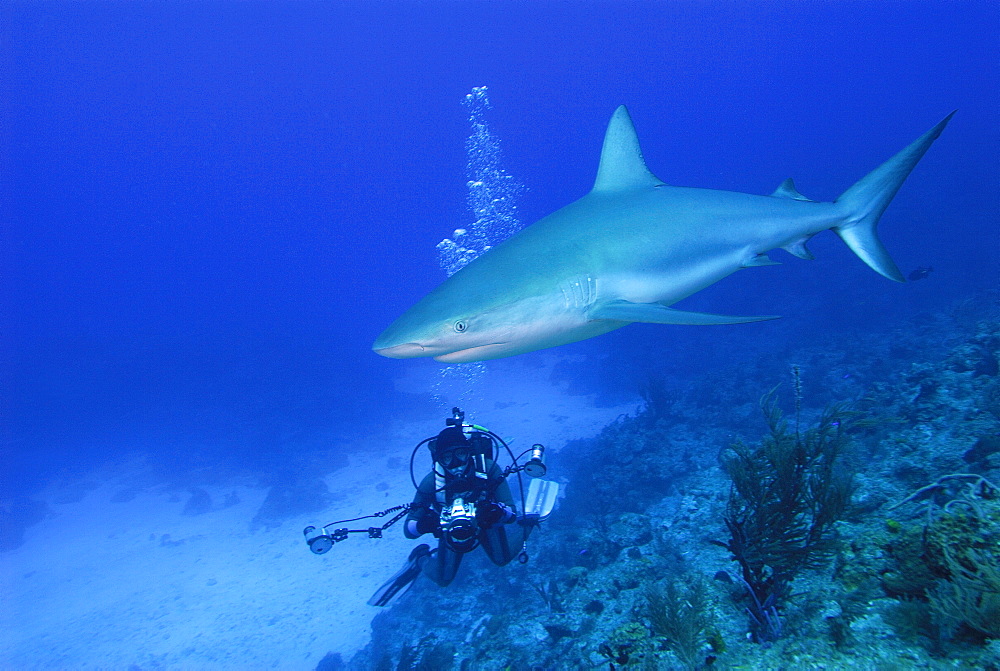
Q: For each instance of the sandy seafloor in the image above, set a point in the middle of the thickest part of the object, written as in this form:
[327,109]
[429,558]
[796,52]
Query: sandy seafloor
[136,584]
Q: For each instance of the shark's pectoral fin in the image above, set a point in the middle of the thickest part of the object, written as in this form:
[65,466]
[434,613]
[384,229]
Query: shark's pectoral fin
[654,313]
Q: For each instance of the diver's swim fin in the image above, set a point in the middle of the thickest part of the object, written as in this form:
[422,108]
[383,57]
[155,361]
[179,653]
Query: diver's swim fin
[541,499]
[400,582]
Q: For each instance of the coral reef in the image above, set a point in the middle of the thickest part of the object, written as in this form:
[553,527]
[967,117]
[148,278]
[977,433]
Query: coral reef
[786,495]
[954,563]
[680,615]
[892,572]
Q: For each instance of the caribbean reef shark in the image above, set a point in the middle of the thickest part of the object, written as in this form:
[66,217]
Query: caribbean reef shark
[628,250]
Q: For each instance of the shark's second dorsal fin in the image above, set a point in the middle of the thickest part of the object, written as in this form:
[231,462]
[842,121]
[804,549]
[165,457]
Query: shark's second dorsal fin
[622,167]
[787,190]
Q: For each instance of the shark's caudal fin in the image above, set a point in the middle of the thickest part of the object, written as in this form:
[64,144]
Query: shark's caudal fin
[866,201]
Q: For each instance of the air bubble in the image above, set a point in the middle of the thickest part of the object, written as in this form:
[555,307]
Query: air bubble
[492,192]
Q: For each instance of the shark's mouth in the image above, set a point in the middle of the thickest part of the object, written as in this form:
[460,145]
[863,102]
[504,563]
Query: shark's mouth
[410,350]
[480,353]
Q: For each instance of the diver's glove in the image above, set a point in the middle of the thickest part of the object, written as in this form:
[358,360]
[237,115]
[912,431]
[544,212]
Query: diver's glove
[429,524]
[491,513]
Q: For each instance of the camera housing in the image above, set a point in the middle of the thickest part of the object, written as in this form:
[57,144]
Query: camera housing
[458,525]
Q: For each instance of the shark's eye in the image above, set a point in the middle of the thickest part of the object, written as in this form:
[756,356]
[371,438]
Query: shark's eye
[460,326]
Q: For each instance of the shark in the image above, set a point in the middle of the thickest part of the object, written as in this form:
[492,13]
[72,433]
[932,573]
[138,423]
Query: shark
[628,250]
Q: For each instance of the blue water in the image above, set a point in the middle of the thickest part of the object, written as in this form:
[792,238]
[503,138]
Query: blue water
[211,209]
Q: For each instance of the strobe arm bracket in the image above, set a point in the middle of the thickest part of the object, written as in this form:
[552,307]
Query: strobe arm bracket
[320,540]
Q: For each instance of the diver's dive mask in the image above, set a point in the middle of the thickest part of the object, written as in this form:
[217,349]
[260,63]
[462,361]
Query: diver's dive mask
[453,451]
[456,460]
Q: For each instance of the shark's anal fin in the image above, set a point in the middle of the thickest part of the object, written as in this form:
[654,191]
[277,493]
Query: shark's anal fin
[654,313]
[760,260]
[798,248]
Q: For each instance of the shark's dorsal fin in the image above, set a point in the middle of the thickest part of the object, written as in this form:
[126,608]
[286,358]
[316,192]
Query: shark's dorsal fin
[787,190]
[622,167]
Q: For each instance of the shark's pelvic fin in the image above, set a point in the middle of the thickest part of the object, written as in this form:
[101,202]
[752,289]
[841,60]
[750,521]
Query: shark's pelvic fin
[787,190]
[866,201]
[654,313]
[622,167]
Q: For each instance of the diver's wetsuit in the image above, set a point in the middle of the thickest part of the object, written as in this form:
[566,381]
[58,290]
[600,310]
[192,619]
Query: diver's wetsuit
[502,542]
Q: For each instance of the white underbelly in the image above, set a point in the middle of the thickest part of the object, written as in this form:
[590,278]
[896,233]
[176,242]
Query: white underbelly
[669,285]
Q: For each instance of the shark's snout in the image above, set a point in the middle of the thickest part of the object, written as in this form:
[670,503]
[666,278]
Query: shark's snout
[408,350]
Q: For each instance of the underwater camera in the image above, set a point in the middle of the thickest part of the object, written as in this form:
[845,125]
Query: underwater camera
[458,525]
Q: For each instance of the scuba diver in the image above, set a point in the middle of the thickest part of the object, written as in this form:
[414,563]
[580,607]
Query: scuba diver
[465,501]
